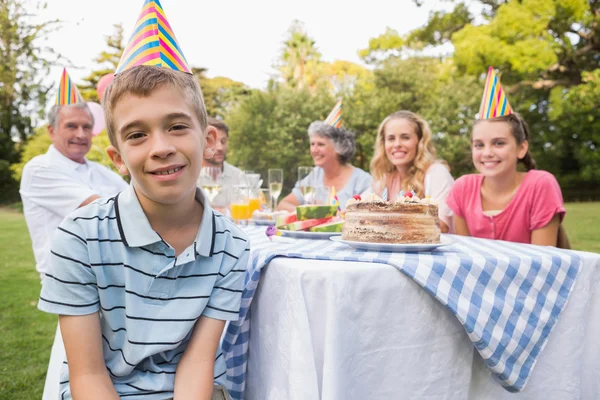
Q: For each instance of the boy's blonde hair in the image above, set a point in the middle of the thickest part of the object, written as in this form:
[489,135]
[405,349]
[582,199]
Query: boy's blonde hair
[381,167]
[141,81]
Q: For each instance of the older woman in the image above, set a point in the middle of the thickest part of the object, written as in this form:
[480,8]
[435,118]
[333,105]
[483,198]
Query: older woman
[331,149]
[404,155]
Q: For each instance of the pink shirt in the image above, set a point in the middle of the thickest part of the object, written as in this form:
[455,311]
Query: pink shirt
[537,200]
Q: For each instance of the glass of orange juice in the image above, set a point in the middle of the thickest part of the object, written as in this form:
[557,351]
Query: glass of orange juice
[254,199]
[240,204]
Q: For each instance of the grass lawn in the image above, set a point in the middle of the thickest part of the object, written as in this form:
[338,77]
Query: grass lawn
[27,333]
[583,226]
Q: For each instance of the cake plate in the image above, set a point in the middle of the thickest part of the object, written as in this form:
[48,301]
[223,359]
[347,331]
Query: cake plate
[395,247]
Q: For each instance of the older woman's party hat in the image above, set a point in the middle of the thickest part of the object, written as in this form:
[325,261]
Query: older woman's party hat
[335,116]
[494,102]
[67,91]
[153,42]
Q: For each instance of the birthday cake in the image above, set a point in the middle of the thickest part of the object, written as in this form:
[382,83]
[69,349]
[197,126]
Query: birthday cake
[406,220]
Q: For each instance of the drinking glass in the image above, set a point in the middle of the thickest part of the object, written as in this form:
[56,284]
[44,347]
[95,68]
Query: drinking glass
[275,184]
[254,195]
[322,195]
[210,181]
[265,200]
[240,204]
[306,186]
[252,179]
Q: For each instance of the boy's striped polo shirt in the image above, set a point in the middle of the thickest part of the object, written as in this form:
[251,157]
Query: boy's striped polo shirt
[106,258]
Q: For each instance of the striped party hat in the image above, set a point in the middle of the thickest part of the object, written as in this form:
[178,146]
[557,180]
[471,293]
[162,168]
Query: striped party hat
[67,91]
[335,116]
[494,102]
[153,42]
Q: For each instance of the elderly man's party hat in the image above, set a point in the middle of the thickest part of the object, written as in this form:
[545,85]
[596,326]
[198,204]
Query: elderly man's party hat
[153,42]
[494,102]
[335,116]
[67,91]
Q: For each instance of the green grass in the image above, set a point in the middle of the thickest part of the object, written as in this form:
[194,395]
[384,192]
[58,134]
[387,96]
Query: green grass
[27,334]
[583,226]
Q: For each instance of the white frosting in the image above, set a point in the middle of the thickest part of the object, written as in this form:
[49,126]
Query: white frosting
[351,201]
[372,197]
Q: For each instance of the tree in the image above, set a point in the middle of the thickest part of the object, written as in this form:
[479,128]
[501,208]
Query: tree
[548,55]
[23,69]
[426,86]
[108,61]
[220,93]
[344,77]
[269,129]
[300,59]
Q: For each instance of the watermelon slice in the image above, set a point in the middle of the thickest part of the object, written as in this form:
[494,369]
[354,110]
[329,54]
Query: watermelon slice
[331,226]
[285,219]
[304,225]
[315,212]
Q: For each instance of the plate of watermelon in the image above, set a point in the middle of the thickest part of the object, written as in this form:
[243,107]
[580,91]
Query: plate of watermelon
[311,222]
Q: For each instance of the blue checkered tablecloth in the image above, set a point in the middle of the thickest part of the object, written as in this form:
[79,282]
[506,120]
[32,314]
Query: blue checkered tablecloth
[508,296]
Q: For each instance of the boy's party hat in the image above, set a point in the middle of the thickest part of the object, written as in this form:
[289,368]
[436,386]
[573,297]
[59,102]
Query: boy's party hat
[494,102]
[153,42]
[335,116]
[67,91]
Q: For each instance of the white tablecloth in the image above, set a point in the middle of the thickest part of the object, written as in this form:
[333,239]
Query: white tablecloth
[349,330]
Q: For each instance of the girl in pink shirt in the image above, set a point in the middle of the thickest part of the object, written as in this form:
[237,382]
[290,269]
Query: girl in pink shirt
[501,202]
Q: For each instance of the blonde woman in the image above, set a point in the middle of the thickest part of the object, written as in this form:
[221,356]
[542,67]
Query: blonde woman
[404,155]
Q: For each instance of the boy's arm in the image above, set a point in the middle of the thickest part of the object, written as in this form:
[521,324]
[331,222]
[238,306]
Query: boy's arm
[194,376]
[88,376]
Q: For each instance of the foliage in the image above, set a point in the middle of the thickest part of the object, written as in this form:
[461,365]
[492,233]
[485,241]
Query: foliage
[300,59]
[548,54]
[575,112]
[221,94]
[269,129]
[23,69]
[108,61]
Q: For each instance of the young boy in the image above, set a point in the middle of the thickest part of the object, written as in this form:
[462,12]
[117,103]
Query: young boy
[143,282]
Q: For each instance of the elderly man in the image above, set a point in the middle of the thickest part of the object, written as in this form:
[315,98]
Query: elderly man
[58,182]
[231,175]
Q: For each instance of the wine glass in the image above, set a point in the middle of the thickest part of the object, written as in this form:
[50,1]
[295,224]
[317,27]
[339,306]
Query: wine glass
[210,181]
[304,181]
[275,184]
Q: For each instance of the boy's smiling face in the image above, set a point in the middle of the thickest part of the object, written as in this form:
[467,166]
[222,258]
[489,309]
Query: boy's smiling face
[160,144]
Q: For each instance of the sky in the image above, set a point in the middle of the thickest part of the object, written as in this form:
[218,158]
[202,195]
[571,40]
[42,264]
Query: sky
[238,39]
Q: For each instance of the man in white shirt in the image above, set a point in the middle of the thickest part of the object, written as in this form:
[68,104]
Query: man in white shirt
[231,175]
[62,180]
[55,184]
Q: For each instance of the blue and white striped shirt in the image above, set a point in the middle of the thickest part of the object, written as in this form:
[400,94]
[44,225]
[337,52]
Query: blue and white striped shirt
[106,258]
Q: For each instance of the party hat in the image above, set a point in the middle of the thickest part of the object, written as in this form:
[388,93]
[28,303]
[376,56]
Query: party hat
[67,91]
[494,102]
[153,42]
[335,116]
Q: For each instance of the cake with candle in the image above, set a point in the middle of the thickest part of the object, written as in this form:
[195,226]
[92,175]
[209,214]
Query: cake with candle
[406,220]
